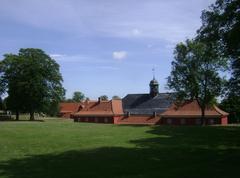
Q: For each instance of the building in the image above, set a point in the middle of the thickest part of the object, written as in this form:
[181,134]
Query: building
[146,108]
[66,109]
[151,108]
[189,113]
[99,111]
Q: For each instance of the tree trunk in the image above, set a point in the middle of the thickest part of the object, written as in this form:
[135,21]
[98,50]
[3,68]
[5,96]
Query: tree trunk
[203,119]
[31,116]
[17,115]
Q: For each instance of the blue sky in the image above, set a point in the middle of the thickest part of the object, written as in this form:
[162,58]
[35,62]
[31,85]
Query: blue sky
[103,46]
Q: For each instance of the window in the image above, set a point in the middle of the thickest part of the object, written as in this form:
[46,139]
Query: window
[198,121]
[183,121]
[106,120]
[211,121]
[96,119]
[169,121]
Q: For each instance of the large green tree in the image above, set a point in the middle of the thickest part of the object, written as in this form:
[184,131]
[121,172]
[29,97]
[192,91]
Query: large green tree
[11,68]
[32,79]
[195,74]
[221,24]
[78,96]
[221,27]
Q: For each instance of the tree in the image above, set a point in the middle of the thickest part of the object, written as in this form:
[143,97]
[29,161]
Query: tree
[231,105]
[221,26]
[1,104]
[33,80]
[11,68]
[115,97]
[195,74]
[78,96]
[104,98]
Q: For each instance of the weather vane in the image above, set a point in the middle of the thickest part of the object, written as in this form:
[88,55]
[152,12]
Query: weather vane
[153,71]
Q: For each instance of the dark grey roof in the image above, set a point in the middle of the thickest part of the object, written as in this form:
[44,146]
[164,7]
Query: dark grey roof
[144,104]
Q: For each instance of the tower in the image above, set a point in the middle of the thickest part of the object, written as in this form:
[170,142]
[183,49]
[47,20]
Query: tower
[153,87]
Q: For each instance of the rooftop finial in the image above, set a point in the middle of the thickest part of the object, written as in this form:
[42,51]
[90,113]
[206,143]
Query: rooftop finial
[153,71]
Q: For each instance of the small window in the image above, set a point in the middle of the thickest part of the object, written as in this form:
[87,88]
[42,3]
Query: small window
[198,121]
[169,121]
[211,121]
[106,120]
[183,121]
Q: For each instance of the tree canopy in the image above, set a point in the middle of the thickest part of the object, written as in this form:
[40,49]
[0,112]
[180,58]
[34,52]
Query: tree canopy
[221,24]
[104,97]
[32,79]
[115,97]
[78,96]
[195,74]
[221,27]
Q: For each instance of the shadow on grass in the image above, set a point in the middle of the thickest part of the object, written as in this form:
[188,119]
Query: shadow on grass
[173,152]
[21,120]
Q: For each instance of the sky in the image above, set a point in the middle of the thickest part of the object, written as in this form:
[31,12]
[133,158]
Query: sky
[103,47]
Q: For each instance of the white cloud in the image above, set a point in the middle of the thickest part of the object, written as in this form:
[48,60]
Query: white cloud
[57,55]
[80,58]
[119,55]
[106,18]
[136,32]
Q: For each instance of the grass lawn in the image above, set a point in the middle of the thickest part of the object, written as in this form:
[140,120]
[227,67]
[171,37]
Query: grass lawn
[60,148]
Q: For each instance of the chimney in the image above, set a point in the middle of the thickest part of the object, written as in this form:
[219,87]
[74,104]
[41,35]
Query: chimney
[99,99]
[87,101]
[154,114]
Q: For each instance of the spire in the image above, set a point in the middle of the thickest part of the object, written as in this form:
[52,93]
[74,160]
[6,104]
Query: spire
[153,71]
[153,85]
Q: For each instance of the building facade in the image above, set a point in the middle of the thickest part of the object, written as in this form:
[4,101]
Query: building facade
[151,108]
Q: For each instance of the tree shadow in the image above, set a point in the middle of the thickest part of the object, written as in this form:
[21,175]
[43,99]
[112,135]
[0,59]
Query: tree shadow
[173,152]
[14,120]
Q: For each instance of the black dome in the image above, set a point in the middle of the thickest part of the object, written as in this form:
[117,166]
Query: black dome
[153,82]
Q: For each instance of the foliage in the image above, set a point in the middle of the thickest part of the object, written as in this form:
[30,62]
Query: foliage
[231,102]
[1,104]
[221,27]
[52,108]
[195,73]
[66,149]
[221,24]
[78,96]
[115,97]
[104,97]
[231,105]
[33,80]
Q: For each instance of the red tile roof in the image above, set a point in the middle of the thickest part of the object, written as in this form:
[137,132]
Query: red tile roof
[69,107]
[100,108]
[117,107]
[137,119]
[192,109]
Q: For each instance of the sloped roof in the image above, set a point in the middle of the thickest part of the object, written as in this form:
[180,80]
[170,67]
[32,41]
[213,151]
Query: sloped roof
[139,120]
[117,106]
[144,104]
[192,109]
[69,107]
[100,108]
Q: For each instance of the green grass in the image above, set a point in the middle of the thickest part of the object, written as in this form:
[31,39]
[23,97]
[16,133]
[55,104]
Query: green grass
[60,148]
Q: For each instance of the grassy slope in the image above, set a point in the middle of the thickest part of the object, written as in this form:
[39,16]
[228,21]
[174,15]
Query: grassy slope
[61,148]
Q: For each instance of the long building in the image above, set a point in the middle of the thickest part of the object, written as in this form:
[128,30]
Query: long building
[151,108]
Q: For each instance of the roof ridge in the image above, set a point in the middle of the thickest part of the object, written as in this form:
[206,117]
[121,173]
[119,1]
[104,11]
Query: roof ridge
[217,109]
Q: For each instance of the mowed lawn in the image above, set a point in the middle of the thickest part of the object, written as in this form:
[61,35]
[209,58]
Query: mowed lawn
[61,148]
